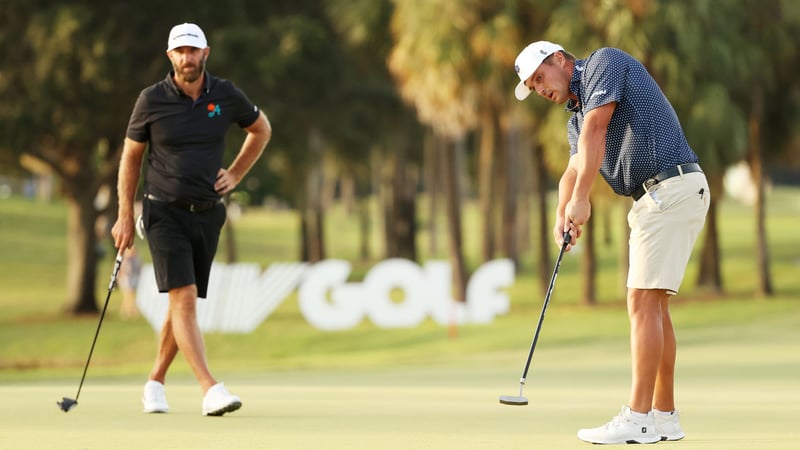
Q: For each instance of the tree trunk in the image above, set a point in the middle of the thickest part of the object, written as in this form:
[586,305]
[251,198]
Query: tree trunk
[510,205]
[404,218]
[327,196]
[449,163]
[364,227]
[230,242]
[301,208]
[348,193]
[545,239]
[486,169]
[525,191]
[379,188]
[589,264]
[313,211]
[755,159]
[710,276]
[432,174]
[84,175]
[312,228]
[608,226]
[386,196]
[82,252]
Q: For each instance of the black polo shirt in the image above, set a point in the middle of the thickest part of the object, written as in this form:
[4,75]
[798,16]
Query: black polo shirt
[186,137]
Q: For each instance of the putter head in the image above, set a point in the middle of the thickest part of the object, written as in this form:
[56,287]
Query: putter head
[66,404]
[513,400]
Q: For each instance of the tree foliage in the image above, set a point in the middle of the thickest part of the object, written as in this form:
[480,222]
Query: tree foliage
[350,82]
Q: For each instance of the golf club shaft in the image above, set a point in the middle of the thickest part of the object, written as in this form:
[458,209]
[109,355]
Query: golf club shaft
[117,264]
[567,239]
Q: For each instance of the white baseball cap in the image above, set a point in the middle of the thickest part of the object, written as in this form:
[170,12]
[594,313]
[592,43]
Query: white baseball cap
[528,61]
[186,35]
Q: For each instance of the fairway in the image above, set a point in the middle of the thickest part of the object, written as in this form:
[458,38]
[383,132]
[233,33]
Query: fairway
[735,391]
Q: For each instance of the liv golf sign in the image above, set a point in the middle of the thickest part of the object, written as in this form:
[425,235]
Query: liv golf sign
[395,293]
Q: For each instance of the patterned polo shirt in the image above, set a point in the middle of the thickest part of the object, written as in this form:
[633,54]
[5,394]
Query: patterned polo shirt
[644,136]
[187,137]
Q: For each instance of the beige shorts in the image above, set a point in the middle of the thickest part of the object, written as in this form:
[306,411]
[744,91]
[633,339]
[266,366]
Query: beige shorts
[665,223]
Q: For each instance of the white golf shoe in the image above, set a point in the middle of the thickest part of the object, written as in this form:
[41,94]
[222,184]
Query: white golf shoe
[154,398]
[668,426]
[623,429]
[219,401]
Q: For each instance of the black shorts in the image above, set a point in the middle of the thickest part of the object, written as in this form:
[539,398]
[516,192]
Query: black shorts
[182,243]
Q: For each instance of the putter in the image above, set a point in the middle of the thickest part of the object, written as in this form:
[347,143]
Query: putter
[519,400]
[67,403]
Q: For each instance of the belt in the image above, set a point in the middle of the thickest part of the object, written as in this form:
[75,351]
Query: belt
[664,175]
[187,206]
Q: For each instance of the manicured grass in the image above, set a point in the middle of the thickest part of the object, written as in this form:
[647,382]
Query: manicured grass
[408,388]
[737,389]
[40,341]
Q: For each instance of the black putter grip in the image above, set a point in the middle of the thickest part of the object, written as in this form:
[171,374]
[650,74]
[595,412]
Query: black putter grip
[567,239]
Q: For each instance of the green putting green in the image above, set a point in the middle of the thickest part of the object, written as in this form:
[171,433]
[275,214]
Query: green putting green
[735,392]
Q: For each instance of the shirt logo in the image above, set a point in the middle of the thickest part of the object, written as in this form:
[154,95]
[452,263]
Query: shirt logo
[214,110]
[598,93]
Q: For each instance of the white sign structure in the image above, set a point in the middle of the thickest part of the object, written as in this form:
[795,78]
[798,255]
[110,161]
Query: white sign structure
[240,298]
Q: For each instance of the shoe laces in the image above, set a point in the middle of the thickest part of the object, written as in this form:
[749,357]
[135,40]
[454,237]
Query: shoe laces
[617,420]
[614,422]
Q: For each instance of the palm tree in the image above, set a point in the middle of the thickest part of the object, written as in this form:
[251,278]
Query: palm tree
[428,61]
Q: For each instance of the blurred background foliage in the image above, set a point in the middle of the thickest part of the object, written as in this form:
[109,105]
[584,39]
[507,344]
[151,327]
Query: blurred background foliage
[382,104]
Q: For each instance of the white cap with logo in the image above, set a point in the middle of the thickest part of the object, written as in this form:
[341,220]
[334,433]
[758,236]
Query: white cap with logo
[529,59]
[186,35]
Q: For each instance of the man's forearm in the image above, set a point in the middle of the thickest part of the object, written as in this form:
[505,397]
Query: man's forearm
[584,182]
[591,149]
[258,135]
[566,186]
[130,166]
[590,157]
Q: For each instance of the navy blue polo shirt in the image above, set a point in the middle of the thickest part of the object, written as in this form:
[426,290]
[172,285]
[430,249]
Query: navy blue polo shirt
[644,136]
[187,137]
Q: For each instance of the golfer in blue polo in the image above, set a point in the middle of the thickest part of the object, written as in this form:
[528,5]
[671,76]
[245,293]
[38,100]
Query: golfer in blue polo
[624,128]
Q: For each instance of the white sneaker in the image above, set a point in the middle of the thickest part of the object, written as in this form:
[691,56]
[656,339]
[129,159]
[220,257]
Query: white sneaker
[623,429]
[154,399]
[218,401]
[668,426]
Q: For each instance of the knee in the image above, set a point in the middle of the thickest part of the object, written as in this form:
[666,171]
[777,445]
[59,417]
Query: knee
[645,302]
[183,298]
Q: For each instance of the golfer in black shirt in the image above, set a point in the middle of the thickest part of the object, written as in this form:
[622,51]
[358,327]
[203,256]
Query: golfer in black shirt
[184,119]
